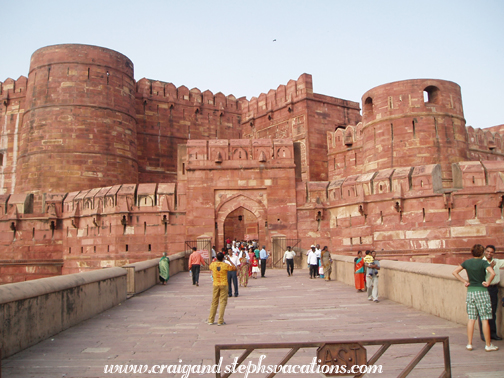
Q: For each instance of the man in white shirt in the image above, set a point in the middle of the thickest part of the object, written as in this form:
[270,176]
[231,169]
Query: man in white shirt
[289,258]
[232,277]
[493,290]
[312,262]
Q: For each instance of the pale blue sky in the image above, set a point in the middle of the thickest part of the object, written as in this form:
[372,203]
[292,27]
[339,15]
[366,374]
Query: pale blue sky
[227,46]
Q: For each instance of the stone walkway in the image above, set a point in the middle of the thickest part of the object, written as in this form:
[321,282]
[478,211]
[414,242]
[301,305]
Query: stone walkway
[168,323]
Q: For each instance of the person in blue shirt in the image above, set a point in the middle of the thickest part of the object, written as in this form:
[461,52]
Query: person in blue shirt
[263,255]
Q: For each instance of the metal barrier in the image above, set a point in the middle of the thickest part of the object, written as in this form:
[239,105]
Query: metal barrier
[279,245]
[331,353]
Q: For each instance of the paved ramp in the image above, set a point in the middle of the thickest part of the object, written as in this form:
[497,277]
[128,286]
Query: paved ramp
[168,323]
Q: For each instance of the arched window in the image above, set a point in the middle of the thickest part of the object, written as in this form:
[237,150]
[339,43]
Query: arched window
[431,95]
[368,105]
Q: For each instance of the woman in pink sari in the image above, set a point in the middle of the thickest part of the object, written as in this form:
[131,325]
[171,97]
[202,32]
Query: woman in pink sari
[359,273]
[251,256]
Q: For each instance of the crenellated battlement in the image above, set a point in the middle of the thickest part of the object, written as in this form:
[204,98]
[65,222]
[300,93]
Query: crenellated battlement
[168,92]
[294,91]
[13,88]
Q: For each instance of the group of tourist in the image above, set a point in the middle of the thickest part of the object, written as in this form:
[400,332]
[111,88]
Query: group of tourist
[366,274]
[236,263]
[319,262]
[483,277]
[239,261]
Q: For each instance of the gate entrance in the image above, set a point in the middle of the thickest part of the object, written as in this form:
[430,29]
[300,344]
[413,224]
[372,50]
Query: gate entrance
[279,246]
[242,225]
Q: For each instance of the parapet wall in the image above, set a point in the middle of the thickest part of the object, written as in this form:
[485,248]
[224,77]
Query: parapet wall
[56,304]
[59,303]
[427,287]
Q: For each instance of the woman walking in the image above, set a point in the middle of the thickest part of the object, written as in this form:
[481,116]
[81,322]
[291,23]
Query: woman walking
[359,273]
[326,263]
[164,269]
[243,269]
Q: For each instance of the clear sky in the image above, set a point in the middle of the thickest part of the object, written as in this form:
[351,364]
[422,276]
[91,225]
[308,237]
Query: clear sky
[228,46]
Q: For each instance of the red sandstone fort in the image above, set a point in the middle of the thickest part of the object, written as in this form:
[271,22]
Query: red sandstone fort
[99,170]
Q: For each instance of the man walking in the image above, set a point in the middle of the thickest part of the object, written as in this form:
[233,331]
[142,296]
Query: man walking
[478,299]
[493,291]
[289,259]
[231,275]
[263,255]
[312,262]
[195,262]
[219,271]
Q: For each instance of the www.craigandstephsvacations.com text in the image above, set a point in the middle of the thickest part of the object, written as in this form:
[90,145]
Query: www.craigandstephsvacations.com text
[251,368]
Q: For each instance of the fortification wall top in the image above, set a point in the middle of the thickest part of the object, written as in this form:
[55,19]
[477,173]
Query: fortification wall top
[83,55]
[168,92]
[294,91]
[13,88]
[410,97]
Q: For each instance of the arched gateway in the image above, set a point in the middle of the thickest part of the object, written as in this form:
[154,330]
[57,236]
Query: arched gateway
[242,218]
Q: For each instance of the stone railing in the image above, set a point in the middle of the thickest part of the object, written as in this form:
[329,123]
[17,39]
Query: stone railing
[424,286]
[145,274]
[32,311]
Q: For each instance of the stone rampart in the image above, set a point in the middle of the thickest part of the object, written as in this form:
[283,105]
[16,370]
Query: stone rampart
[406,212]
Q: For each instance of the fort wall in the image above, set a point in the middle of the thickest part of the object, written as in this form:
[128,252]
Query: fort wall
[12,108]
[98,170]
[169,116]
[295,111]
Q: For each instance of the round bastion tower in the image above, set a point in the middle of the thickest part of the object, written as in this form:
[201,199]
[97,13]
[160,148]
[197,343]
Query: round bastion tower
[414,122]
[79,129]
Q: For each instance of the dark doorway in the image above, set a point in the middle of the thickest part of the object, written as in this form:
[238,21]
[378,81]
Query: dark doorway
[241,224]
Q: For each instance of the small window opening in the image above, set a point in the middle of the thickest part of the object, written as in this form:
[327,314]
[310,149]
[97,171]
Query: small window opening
[475,211]
[94,249]
[81,249]
[431,95]
[127,247]
[70,250]
[423,215]
[368,105]
[150,248]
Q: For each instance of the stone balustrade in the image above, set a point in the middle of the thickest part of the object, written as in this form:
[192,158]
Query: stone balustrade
[427,287]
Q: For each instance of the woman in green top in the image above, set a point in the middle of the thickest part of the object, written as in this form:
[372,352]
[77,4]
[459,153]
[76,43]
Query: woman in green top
[164,269]
[477,300]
